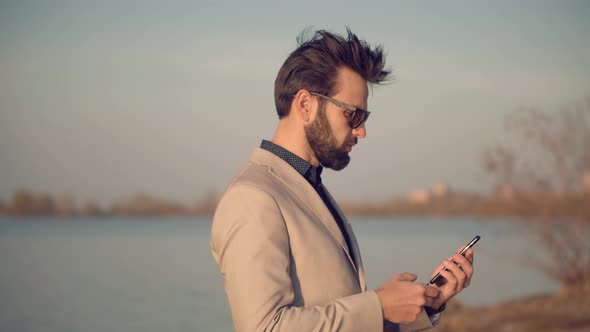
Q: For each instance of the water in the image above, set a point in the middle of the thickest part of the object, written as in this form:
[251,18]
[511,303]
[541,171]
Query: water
[158,275]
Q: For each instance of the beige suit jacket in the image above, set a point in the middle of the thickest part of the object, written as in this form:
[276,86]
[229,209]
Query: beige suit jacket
[284,261]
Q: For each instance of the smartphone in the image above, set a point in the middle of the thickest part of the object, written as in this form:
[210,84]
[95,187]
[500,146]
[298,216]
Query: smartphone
[440,280]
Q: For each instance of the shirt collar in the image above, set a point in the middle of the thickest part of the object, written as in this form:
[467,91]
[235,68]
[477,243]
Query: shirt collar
[310,173]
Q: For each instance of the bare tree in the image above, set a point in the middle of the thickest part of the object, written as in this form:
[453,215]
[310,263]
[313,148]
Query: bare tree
[542,164]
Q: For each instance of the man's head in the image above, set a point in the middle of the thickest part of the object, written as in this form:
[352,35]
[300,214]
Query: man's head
[314,66]
[324,82]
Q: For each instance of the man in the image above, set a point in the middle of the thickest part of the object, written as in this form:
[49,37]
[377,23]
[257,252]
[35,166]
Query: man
[289,259]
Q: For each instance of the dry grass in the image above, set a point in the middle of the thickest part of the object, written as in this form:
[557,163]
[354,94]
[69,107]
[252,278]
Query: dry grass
[544,313]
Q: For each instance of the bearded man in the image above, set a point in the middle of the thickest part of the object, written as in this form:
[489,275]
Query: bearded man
[288,256]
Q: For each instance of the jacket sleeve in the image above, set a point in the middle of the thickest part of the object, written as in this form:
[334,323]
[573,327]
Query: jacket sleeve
[250,243]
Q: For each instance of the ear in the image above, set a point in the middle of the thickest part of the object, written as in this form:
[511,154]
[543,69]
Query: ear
[304,105]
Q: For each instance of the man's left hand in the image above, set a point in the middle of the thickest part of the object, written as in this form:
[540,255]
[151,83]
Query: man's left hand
[458,276]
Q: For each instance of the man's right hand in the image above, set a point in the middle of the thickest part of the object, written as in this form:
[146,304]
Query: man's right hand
[402,299]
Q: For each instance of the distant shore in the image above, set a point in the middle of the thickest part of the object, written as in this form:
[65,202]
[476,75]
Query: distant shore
[498,204]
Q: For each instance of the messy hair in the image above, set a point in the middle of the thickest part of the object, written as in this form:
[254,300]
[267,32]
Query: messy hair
[314,65]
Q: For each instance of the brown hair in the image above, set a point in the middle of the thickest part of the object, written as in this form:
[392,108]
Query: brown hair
[314,65]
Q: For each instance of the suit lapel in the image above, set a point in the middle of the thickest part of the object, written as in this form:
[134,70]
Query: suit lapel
[353,242]
[301,188]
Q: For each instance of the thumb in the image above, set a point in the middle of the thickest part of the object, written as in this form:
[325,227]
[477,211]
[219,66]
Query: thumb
[406,276]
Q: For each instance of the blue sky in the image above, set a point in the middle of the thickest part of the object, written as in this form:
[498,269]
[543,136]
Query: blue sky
[106,99]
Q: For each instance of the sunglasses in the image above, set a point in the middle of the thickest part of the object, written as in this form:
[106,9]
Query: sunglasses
[358,116]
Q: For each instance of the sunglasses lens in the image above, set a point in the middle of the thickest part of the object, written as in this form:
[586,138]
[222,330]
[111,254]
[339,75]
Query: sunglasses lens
[358,118]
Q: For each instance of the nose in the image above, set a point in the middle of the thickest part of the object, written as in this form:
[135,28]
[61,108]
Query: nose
[360,132]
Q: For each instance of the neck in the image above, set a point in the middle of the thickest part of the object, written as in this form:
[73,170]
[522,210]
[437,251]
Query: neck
[293,138]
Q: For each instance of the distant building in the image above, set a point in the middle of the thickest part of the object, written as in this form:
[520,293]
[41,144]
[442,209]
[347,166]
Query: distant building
[27,202]
[65,205]
[142,204]
[505,192]
[418,197]
[440,190]
[91,209]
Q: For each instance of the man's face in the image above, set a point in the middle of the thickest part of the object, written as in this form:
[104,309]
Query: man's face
[330,135]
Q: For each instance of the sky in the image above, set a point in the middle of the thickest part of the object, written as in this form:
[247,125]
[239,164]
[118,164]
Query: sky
[105,99]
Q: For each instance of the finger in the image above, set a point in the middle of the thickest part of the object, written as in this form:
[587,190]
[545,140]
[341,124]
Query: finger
[429,301]
[460,260]
[406,276]
[467,267]
[469,255]
[457,272]
[464,264]
[431,292]
[452,281]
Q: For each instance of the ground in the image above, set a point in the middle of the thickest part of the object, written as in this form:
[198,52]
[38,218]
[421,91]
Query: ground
[564,312]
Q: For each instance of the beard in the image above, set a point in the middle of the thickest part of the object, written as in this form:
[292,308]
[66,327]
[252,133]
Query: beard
[323,143]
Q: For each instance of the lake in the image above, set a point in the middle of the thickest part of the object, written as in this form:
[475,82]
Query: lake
[158,274]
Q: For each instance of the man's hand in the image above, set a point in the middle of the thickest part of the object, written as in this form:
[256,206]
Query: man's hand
[458,276]
[402,299]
